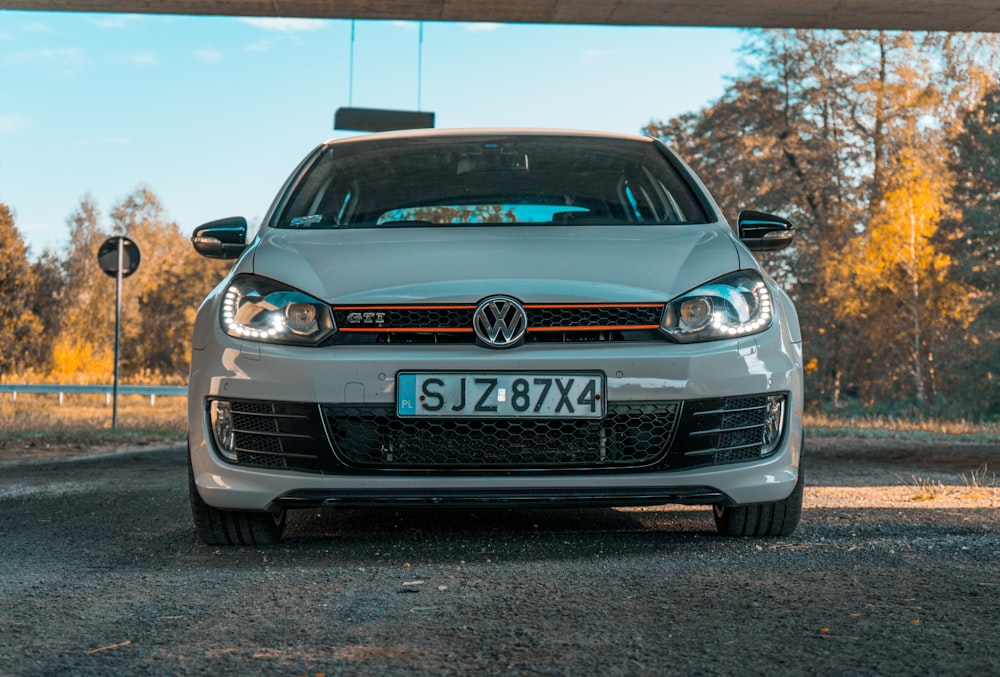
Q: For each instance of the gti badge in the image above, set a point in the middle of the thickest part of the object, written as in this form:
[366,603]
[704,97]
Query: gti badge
[366,318]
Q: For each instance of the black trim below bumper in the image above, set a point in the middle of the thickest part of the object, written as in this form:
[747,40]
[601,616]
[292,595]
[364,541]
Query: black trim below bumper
[553,498]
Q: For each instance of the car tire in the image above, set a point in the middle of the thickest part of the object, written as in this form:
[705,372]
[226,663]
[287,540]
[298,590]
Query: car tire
[779,518]
[233,527]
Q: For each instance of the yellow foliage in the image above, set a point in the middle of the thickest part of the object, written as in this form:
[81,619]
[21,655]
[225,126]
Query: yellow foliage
[79,361]
[898,238]
[812,366]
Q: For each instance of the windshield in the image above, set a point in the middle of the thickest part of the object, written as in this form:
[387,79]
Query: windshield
[513,179]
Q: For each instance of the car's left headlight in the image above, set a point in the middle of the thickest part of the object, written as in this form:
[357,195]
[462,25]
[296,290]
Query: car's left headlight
[264,310]
[736,304]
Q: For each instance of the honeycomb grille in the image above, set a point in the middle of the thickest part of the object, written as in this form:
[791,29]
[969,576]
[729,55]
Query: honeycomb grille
[373,437]
[654,436]
[450,324]
[587,317]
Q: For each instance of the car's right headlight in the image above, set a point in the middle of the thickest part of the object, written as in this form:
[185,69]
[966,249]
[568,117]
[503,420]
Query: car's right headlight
[259,309]
[737,304]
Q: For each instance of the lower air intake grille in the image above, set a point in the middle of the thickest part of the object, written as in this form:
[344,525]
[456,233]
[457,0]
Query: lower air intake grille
[649,436]
[632,435]
[724,430]
[278,435]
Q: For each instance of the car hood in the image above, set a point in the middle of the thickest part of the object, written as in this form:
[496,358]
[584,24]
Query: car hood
[465,264]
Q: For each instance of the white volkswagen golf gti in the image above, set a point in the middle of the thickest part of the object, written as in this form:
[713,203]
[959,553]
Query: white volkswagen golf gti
[494,318]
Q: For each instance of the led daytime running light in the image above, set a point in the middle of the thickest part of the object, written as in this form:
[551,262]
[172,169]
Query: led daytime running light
[738,304]
[261,310]
[229,305]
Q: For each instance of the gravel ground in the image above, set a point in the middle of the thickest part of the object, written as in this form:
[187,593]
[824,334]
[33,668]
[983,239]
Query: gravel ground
[894,570]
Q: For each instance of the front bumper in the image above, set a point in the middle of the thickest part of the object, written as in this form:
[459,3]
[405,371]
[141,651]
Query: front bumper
[363,378]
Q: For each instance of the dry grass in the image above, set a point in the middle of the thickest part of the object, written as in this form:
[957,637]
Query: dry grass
[980,481]
[978,484]
[926,489]
[39,421]
[878,426]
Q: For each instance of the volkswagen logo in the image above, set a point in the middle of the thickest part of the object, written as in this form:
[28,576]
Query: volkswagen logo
[500,322]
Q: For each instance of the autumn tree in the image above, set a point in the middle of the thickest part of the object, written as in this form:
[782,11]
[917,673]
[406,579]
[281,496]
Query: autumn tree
[159,300]
[972,236]
[904,289]
[905,286]
[20,329]
[163,295]
[47,305]
[83,350]
[779,141]
[848,134]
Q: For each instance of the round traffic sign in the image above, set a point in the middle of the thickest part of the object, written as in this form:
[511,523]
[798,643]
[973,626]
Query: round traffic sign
[107,256]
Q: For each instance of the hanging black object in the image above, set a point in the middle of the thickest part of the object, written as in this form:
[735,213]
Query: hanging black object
[380,119]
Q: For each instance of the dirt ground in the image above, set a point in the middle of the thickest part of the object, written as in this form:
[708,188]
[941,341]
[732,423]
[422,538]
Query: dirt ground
[893,570]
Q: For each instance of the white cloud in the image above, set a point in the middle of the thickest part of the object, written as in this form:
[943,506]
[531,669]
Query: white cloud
[285,25]
[208,55]
[37,28]
[482,27]
[260,46]
[11,124]
[144,58]
[65,55]
[592,55]
[116,21]
[106,141]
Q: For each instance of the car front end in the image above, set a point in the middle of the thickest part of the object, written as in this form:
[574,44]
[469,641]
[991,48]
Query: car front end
[493,363]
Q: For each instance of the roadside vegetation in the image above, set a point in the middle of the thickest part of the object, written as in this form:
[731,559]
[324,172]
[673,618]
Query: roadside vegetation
[882,147]
[901,428]
[39,422]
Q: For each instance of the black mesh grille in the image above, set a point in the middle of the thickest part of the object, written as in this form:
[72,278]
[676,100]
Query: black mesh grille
[429,318]
[655,436]
[723,430]
[591,316]
[373,437]
[453,324]
[278,435]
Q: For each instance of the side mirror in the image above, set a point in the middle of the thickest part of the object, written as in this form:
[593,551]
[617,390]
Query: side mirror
[763,232]
[221,239]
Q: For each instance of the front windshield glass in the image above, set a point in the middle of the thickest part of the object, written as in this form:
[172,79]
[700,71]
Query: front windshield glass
[509,180]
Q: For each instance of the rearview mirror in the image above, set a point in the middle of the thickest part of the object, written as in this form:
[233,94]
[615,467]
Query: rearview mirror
[763,232]
[221,239]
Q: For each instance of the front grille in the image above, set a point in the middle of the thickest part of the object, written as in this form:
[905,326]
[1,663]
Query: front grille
[278,435]
[373,437]
[724,430]
[653,436]
[453,323]
[640,316]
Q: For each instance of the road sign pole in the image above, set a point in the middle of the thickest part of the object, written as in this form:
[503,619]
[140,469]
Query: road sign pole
[118,328]
[118,257]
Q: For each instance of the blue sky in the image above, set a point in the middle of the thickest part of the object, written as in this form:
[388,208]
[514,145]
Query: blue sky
[212,113]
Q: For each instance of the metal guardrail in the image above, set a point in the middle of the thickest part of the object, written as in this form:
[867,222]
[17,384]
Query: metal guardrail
[63,388]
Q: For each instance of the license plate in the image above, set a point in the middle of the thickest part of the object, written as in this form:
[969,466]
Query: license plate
[500,394]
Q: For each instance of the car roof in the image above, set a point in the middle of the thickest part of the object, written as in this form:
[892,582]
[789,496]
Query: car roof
[476,132]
